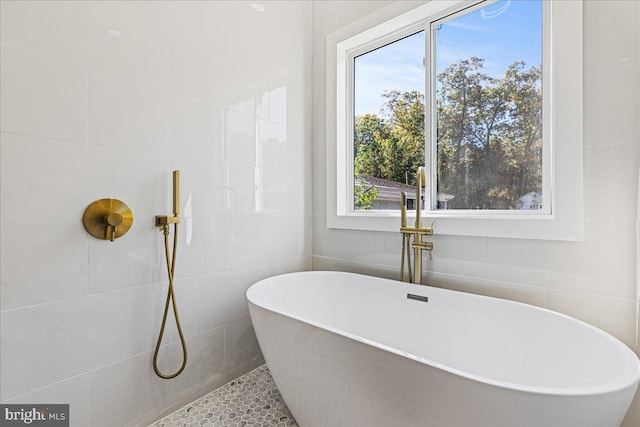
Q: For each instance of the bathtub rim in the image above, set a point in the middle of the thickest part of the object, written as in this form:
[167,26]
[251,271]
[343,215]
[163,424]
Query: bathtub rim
[627,379]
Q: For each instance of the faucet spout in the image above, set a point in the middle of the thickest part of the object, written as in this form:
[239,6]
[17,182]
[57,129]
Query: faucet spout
[421,179]
[417,240]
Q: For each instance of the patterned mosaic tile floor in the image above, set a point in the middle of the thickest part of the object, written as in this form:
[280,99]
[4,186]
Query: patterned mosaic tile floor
[251,400]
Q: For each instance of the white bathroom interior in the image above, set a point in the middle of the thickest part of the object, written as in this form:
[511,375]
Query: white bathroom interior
[103,99]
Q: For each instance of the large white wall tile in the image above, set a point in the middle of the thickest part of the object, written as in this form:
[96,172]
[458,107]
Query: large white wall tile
[244,248]
[74,392]
[285,18]
[60,250]
[197,128]
[273,106]
[122,323]
[42,96]
[612,105]
[273,146]
[201,246]
[612,69]
[240,157]
[247,36]
[125,112]
[207,302]
[195,67]
[292,265]
[337,264]
[341,243]
[98,35]
[612,37]
[42,345]
[201,230]
[241,349]
[48,180]
[201,20]
[611,174]
[599,265]
[512,291]
[124,43]
[327,18]
[62,27]
[134,259]
[141,397]
[458,255]
[518,261]
[127,386]
[204,372]
[614,315]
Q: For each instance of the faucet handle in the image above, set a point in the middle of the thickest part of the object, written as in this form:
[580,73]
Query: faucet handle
[428,246]
[112,221]
[107,219]
[429,229]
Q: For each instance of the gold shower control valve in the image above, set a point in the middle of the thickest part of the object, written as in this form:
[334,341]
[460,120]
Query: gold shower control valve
[107,219]
[113,220]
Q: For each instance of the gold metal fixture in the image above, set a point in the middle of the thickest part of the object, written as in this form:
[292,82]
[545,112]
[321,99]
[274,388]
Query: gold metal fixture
[406,239]
[417,231]
[164,221]
[107,219]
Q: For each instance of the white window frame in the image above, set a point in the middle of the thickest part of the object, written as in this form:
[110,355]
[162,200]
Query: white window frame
[562,128]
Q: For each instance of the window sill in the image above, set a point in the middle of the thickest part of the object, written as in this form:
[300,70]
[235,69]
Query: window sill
[544,227]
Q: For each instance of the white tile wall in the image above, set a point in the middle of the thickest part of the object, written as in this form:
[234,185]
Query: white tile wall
[125,114]
[104,99]
[594,280]
[141,397]
[43,344]
[41,240]
[42,96]
[74,391]
[39,172]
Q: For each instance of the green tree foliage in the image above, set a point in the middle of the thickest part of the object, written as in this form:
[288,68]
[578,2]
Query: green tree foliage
[370,135]
[489,136]
[364,194]
[393,144]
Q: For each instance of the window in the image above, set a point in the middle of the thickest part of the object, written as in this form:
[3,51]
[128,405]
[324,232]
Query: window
[478,92]
[388,122]
[486,107]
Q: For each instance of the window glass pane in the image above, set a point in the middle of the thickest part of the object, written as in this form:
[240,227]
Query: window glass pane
[489,107]
[389,122]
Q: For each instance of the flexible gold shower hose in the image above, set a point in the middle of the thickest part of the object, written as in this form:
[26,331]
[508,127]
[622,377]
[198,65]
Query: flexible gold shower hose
[171,267]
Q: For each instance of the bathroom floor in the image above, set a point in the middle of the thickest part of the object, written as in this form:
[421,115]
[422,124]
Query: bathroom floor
[250,400]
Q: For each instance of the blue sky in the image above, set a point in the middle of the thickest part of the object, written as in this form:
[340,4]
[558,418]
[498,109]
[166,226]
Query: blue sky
[501,33]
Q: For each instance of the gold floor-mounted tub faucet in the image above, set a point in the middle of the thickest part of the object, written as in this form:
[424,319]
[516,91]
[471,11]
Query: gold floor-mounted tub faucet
[418,231]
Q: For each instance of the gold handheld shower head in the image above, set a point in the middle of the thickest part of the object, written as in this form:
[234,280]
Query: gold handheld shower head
[165,220]
[176,193]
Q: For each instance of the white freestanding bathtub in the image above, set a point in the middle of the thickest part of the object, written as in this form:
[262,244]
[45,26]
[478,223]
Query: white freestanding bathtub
[348,350]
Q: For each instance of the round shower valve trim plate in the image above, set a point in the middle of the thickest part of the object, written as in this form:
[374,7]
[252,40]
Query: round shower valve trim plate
[107,219]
